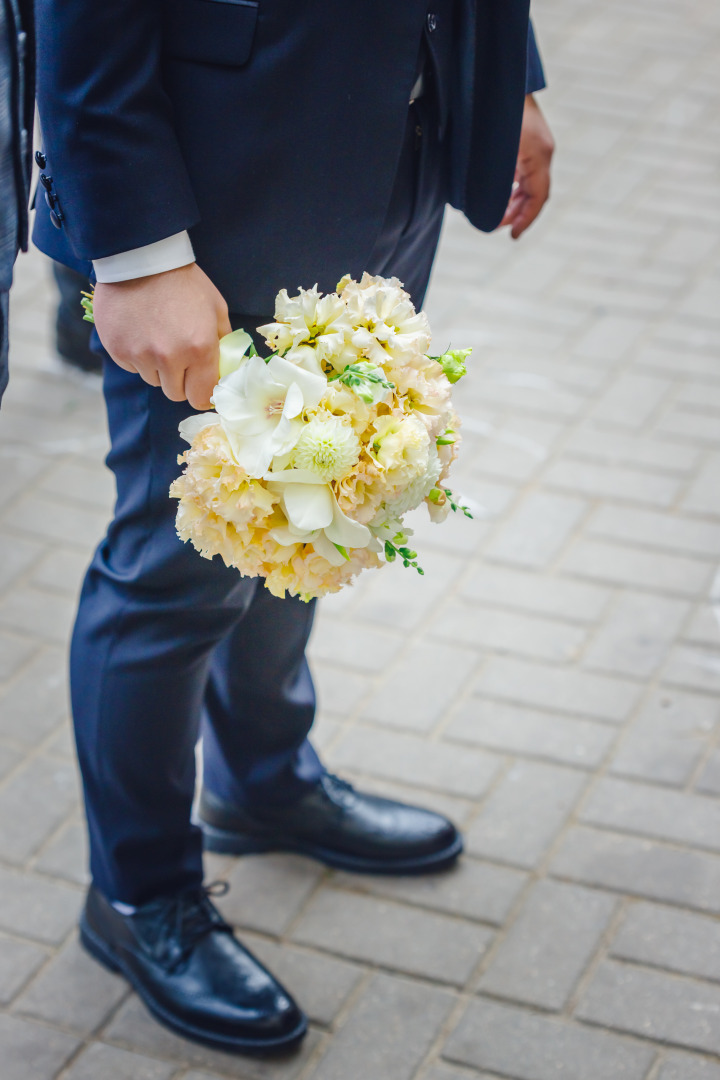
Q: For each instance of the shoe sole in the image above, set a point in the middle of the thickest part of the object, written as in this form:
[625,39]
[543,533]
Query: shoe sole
[226,842]
[102,952]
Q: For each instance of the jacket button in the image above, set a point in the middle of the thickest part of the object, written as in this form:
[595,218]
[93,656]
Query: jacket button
[432,22]
[46,181]
[56,219]
[40,159]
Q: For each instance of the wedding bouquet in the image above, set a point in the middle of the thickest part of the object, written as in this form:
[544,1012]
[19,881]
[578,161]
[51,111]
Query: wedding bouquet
[305,470]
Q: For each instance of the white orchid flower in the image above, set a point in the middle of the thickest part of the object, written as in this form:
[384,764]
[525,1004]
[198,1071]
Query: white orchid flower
[313,515]
[233,348]
[260,405]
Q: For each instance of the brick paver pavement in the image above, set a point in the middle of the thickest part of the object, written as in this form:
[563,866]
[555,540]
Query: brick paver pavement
[552,682]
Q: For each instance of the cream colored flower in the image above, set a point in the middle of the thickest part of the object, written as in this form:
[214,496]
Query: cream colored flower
[327,447]
[310,506]
[409,496]
[309,318]
[386,323]
[259,406]
[400,446]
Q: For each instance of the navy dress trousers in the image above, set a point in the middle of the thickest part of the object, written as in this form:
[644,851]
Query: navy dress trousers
[284,139]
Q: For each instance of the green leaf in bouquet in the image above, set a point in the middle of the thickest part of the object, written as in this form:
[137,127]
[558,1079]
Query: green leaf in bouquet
[453,363]
[446,439]
[365,379]
[87,305]
[408,557]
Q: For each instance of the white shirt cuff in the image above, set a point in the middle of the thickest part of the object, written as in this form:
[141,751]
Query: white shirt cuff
[155,258]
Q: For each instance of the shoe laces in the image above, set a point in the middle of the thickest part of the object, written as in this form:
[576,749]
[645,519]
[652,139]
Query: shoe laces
[184,919]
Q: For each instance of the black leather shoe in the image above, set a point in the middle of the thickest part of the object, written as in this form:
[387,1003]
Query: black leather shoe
[337,825]
[182,959]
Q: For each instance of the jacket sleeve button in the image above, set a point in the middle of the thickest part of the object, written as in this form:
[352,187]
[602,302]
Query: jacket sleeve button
[432,22]
[40,159]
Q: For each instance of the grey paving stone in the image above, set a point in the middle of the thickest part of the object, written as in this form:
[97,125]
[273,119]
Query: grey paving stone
[36,907]
[19,960]
[549,945]
[662,759]
[15,651]
[362,649]
[322,984]
[66,856]
[62,570]
[24,470]
[631,400]
[509,632]
[33,1051]
[648,528]
[653,811]
[566,690]
[447,1072]
[603,481]
[704,628]
[398,598]
[538,530]
[667,938]
[408,758]
[679,1066]
[338,690]
[595,442]
[46,615]
[421,686]
[267,891]
[526,591]
[10,757]
[698,669]
[16,557]
[709,780]
[524,813]
[521,1044]
[62,744]
[73,991]
[101,1062]
[54,519]
[610,336]
[471,889]
[621,565]
[388,1033]
[392,935]
[512,729]
[133,1028]
[698,428]
[702,495]
[35,702]
[82,481]
[669,1008]
[667,737]
[33,803]
[636,635]
[640,867]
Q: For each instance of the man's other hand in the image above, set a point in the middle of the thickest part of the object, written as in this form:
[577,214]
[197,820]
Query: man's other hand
[532,175]
[166,327]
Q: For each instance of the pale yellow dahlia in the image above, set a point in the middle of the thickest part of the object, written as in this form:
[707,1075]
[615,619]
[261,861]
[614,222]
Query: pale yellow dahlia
[327,447]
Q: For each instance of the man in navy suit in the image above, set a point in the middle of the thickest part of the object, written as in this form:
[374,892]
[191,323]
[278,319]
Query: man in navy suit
[202,154]
[17,104]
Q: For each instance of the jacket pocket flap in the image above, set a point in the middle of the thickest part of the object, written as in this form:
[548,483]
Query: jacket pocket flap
[210,31]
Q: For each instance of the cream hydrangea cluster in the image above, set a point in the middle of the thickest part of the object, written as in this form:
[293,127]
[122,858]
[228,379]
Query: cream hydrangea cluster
[303,473]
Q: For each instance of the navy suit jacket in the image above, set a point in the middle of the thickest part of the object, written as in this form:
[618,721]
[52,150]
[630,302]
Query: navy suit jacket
[270,129]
